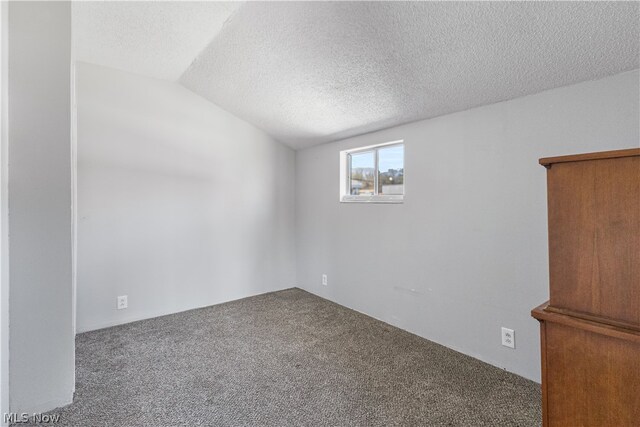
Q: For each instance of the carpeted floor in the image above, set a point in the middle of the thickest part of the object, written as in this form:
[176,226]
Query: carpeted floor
[287,358]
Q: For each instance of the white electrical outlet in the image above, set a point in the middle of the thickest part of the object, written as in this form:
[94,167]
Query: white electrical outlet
[508,338]
[122,302]
[324,280]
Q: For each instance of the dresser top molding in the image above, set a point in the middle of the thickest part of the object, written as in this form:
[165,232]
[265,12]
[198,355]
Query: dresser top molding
[542,313]
[629,152]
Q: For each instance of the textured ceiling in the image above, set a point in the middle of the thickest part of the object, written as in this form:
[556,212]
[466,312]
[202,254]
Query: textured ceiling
[157,39]
[311,72]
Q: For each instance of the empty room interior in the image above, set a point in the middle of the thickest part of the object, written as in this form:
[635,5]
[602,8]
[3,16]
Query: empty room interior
[204,217]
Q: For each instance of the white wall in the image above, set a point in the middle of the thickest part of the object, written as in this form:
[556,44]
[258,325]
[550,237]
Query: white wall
[180,204]
[41,336]
[467,251]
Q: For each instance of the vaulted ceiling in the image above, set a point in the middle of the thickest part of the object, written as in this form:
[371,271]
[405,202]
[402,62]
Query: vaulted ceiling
[154,38]
[313,72]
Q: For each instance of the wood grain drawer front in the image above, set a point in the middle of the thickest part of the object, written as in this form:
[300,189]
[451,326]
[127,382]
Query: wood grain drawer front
[591,379]
[594,237]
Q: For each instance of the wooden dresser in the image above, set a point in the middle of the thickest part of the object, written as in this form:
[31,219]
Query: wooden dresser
[590,327]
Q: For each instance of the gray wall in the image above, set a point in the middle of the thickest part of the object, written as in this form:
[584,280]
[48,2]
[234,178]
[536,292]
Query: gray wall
[41,335]
[467,251]
[4,214]
[180,204]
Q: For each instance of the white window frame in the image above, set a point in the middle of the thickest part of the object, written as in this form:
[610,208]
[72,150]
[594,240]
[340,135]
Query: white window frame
[345,176]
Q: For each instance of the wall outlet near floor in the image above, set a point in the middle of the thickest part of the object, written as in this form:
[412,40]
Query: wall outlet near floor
[324,280]
[122,302]
[508,338]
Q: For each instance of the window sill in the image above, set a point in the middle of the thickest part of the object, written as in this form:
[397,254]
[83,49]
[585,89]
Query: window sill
[373,199]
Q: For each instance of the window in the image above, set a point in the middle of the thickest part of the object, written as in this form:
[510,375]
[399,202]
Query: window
[373,174]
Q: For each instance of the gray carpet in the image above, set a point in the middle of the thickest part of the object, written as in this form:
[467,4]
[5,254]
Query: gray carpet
[287,358]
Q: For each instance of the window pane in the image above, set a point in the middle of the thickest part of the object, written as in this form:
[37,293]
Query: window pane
[362,174]
[391,169]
